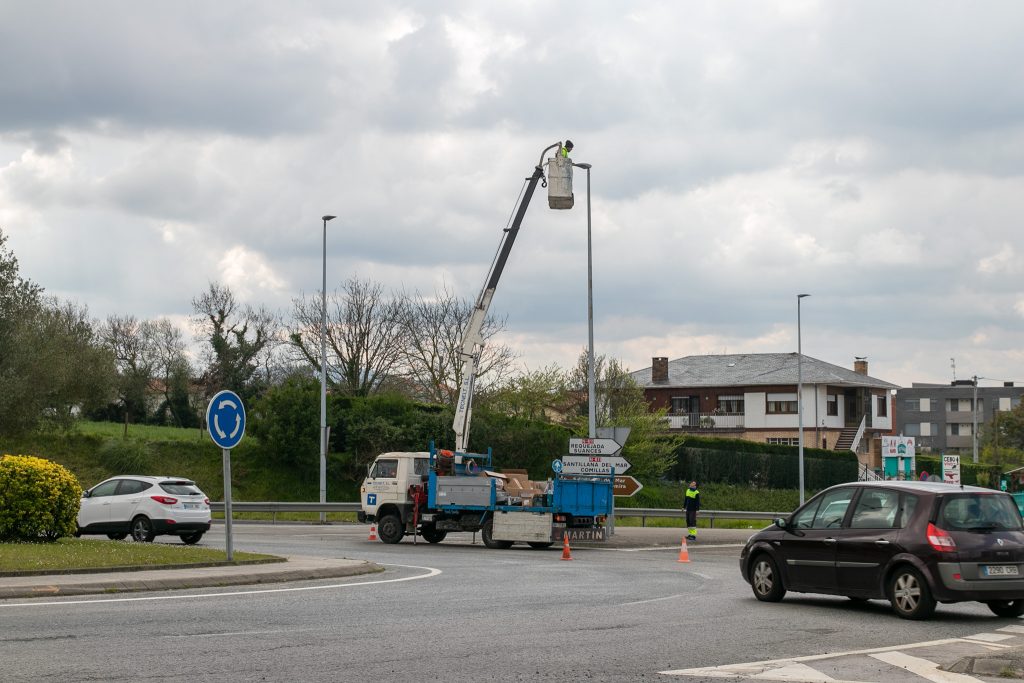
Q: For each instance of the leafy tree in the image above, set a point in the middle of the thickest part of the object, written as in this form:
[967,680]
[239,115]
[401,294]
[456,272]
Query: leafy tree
[621,403]
[241,339]
[285,421]
[51,362]
[1001,441]
[364,335]
[535,395]
[20,308]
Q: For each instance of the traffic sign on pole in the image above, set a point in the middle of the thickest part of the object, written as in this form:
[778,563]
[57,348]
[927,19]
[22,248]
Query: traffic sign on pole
[594,446]
[593,464]
[225,419]
[626,487]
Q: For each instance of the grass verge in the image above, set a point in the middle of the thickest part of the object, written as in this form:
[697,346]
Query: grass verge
[68,554]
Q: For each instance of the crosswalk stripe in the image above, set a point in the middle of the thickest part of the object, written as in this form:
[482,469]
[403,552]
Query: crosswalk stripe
[923,668]
[1013,629]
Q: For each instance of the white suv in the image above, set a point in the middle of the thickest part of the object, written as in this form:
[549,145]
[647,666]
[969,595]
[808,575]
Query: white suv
[145,507]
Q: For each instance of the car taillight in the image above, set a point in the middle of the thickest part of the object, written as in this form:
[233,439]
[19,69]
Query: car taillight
[940,539]
[166,500]
[206,501]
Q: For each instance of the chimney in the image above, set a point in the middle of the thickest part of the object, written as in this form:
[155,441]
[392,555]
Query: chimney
[860,365]
[659,369]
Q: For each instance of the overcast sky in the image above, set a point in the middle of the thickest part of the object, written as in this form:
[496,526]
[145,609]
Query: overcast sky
[867,153]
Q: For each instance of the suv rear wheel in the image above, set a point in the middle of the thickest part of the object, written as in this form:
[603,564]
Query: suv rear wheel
[142,530]
[191,539]
[1006,608]
[909,594]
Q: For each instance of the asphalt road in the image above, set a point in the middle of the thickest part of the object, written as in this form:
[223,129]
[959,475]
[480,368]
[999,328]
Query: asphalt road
[451,612]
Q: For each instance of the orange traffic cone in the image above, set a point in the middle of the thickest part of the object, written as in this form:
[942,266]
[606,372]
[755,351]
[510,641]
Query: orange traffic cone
[566,551]
[373,533]
[684,554]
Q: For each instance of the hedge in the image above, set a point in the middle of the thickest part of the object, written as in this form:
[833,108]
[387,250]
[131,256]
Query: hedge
[758,465]
[970,473]
[39,499]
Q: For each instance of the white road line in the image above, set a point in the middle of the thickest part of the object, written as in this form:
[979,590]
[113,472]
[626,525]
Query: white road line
[240,633]
[431,572]
[924,668]
[990,637]
[644,602]
[1013,629]
[752,668]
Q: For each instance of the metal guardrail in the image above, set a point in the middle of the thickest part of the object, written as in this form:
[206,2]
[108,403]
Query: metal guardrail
[642,513]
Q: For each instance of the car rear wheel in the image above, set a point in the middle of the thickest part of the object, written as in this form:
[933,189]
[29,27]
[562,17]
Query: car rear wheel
[909,594]
[389,529]
[117,537]
[765,579]
[1006,608]
[142,530]
[191,539]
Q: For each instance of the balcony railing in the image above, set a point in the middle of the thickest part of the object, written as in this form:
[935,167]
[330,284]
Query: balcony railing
[704,421]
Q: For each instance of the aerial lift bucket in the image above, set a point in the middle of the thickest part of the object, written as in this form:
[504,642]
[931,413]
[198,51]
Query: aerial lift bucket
[560,182]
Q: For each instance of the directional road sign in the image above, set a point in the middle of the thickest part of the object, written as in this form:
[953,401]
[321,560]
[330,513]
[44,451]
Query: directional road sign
[593,464]
[556,465]
[626,487]
[594,446]
[225,418]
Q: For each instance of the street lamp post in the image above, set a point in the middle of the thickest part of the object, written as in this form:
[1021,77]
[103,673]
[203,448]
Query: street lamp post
[974,421]
[323,379]
[591,391]
[800,395]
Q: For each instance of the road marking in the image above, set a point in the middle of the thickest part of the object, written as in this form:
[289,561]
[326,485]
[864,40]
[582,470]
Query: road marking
[668,547]
[431,572]
[240,633]
[644,602]
[924,668]
[749,669]
[990,637]
[1013,629]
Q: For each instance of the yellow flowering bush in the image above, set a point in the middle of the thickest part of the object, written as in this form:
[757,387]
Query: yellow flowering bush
[38,499]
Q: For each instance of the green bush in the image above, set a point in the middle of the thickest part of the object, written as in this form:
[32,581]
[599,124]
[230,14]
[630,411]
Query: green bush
[38,499]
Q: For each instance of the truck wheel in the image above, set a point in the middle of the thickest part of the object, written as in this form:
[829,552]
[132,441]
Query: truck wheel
[489,541]
[389,529]
[432,535]
[540,545]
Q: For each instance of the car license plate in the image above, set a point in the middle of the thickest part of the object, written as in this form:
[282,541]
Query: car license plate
[195,506]
[1001,570]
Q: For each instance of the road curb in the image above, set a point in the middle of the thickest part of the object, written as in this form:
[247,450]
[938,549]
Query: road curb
[1007,664]
[193,578]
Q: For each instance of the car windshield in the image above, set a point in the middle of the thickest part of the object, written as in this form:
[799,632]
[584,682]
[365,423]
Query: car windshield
[180,488]
[980,512]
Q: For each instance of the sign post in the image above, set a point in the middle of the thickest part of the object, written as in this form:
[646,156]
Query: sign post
[951,469]
[225,421]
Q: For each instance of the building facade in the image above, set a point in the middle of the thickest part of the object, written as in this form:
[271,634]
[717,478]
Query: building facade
[754,397]
[941,417]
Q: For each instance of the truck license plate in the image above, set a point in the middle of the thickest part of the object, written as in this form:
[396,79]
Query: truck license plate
[1001,570]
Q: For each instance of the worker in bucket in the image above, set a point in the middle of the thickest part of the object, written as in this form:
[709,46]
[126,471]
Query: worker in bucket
[691,503]
[566,148]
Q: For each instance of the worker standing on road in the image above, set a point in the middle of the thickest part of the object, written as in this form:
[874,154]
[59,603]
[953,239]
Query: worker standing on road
[691,503]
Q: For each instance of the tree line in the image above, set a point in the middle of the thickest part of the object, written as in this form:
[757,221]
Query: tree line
[57,364]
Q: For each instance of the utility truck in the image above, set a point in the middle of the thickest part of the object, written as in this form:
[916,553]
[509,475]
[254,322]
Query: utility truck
[430,493]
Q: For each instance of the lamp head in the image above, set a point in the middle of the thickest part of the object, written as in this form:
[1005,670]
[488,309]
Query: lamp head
[583,165]
[328,218]
[801,296]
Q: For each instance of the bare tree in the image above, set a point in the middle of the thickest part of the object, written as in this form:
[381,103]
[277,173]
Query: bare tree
[364,335]
[174,371]
[239,338]
[131,343]
[432,356]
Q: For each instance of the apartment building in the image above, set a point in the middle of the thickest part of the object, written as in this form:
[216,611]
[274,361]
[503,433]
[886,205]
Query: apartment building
[942,418]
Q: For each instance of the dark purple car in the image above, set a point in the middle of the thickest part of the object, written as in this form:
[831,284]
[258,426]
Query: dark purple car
[912,543]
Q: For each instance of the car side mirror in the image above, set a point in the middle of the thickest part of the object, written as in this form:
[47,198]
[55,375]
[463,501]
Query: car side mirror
[85,494]
[782,523]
